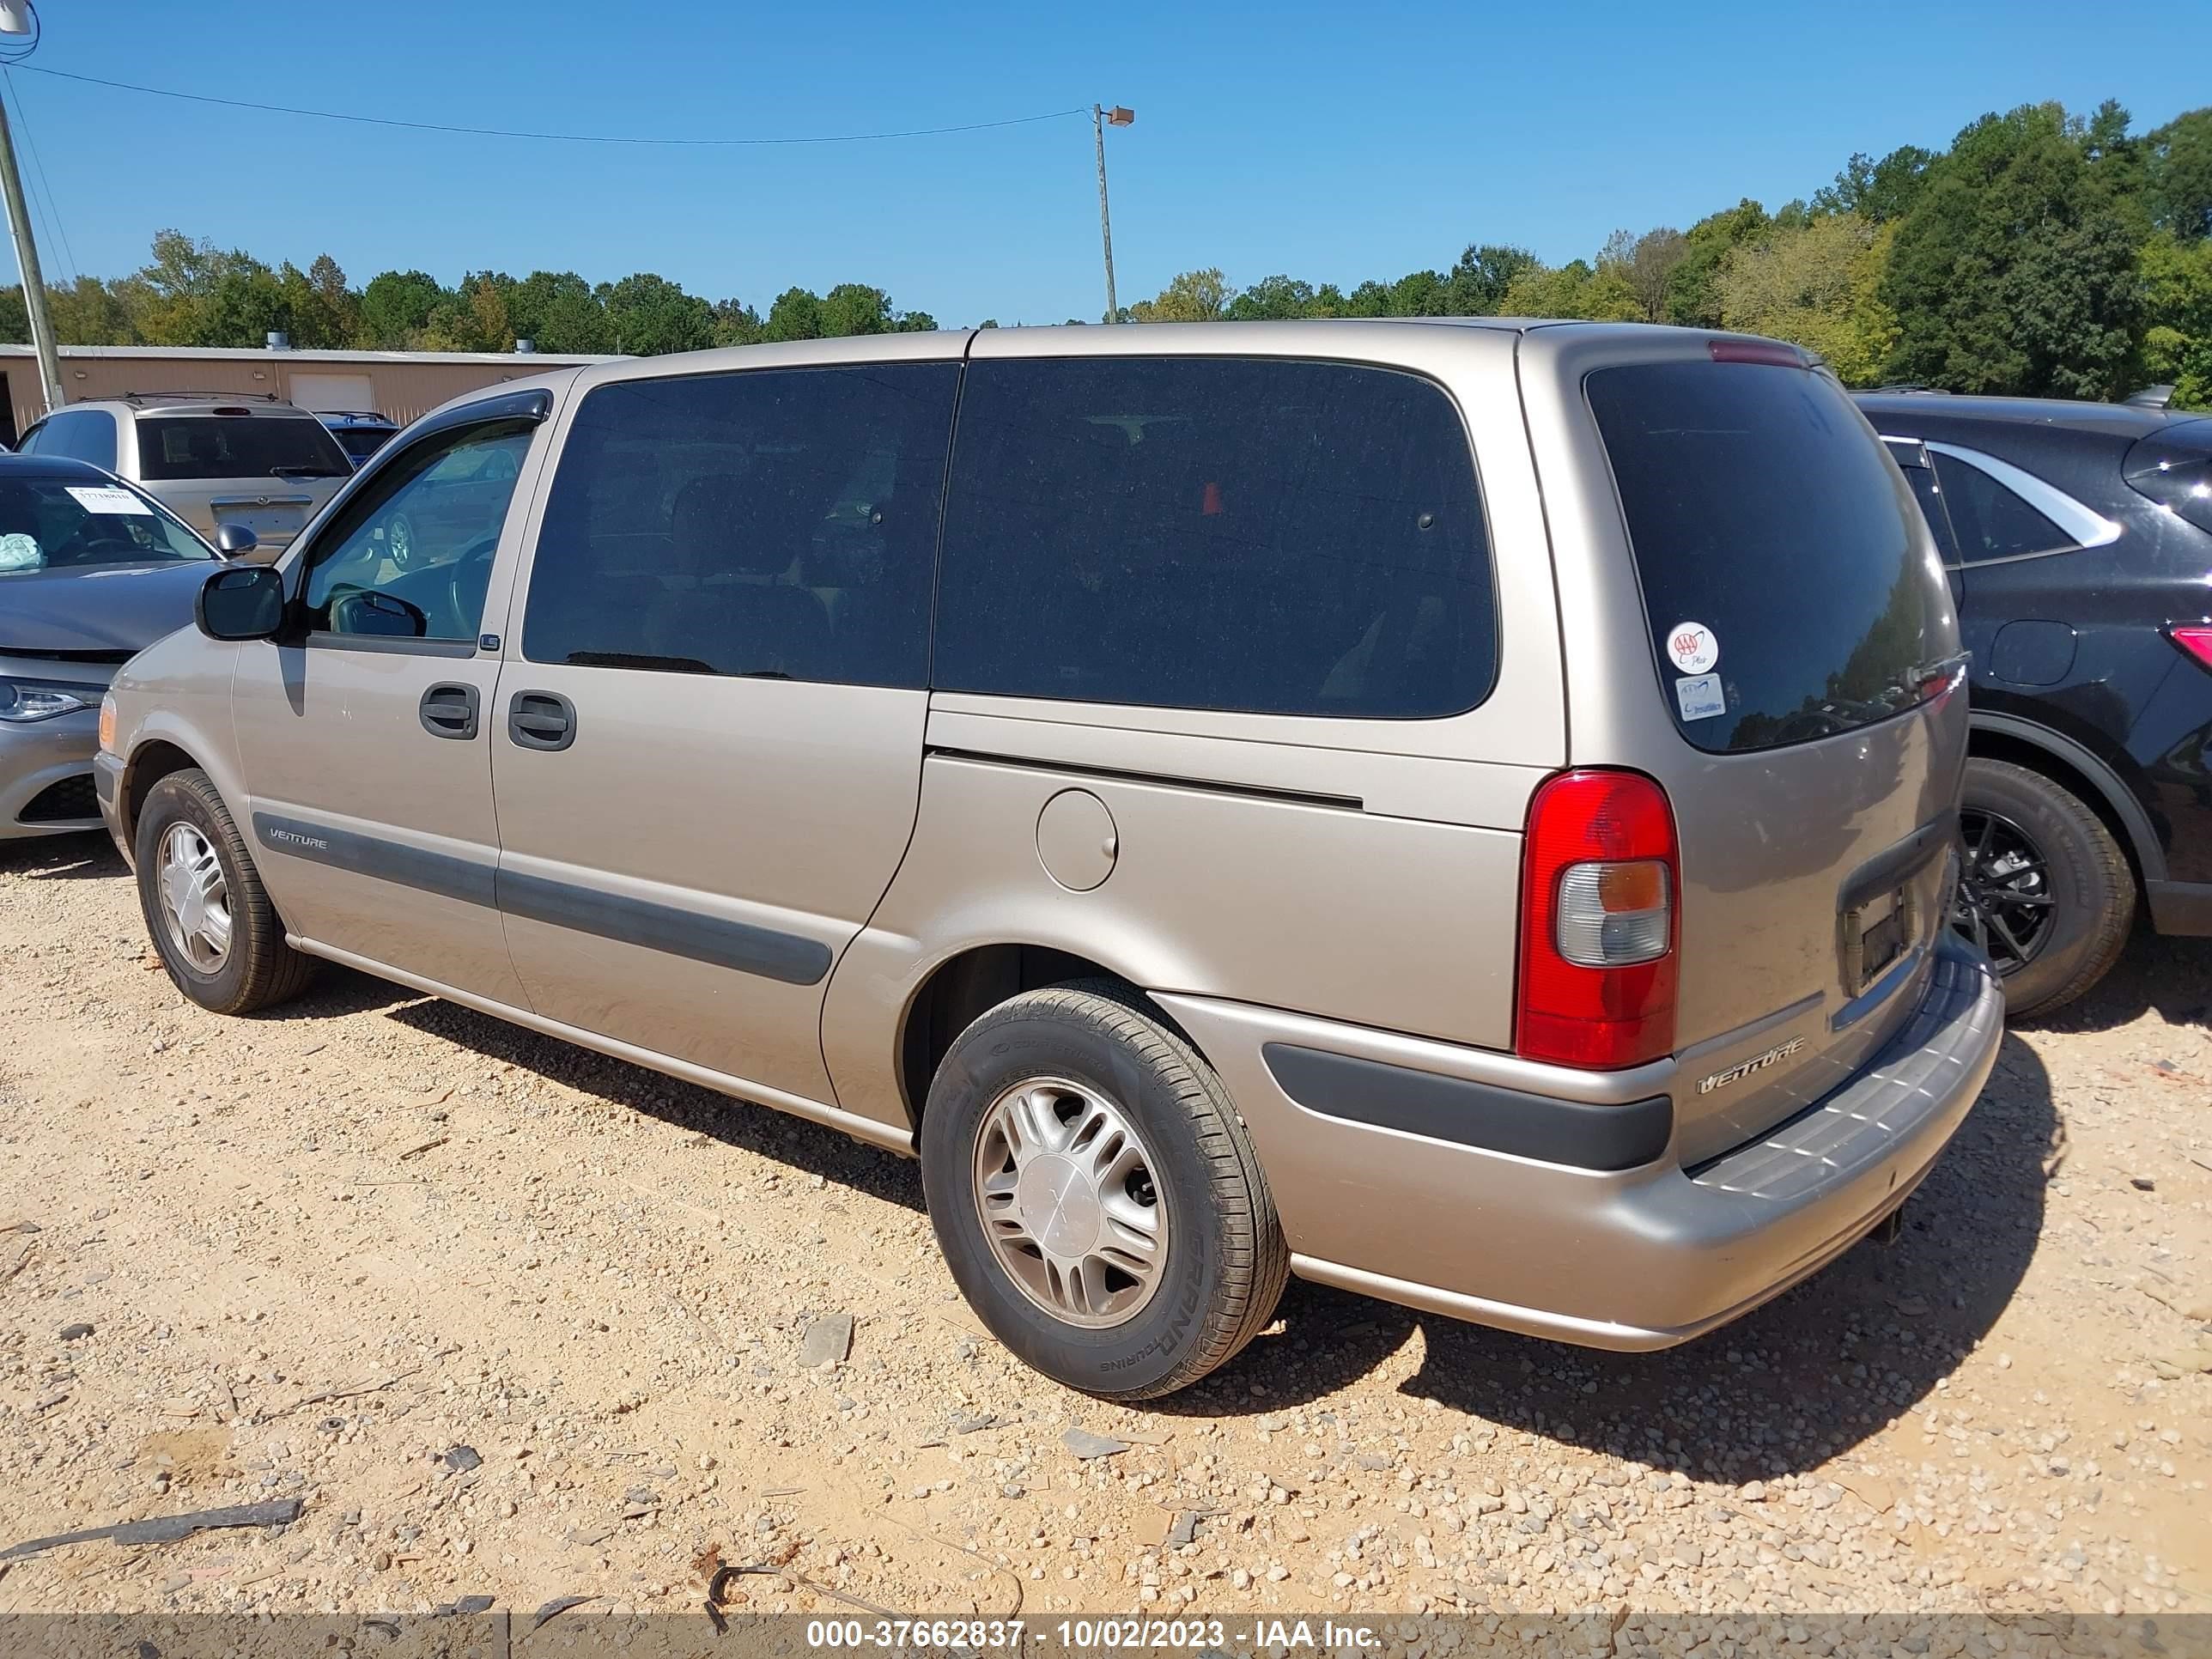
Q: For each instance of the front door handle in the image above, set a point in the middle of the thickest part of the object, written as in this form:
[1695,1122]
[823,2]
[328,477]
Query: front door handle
[449,710]
[540,720]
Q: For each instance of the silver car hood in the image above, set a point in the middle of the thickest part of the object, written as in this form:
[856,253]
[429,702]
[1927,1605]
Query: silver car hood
[115,607]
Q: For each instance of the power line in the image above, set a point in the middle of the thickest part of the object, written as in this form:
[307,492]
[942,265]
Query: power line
[54,208]
[555,138]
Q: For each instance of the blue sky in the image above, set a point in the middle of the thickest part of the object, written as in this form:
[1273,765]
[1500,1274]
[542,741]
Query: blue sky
[1335,142]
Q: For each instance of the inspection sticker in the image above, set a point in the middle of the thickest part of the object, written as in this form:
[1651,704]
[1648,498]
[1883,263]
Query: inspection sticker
[1692,646]
[107,498]
[1701,697]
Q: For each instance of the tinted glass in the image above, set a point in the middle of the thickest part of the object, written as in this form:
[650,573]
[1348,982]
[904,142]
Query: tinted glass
[1990,520]
[1762,511]
[2174,467]
[361,442]
[85,436]
[1266,536]
[1930,494]
[779,523]
[52,524]
[422,534]
[237,447]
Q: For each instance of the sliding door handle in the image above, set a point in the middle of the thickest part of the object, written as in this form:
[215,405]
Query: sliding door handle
[540,720]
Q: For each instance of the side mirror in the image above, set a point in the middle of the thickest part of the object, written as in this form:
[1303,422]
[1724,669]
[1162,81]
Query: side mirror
[234,541]
[367,612]
[245,601]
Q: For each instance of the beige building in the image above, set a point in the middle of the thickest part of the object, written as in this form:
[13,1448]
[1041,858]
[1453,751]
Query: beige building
[399,384]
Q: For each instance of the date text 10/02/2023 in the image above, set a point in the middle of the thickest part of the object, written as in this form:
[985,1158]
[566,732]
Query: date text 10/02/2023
[1083,1635]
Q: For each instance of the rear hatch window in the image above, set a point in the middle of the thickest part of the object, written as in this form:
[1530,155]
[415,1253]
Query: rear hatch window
[171,447]
[1790,591]
[2174,469]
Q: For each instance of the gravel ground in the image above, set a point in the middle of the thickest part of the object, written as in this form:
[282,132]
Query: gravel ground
[513,1320]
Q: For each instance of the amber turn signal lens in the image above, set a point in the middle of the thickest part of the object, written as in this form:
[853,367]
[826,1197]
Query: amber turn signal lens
[1641,885]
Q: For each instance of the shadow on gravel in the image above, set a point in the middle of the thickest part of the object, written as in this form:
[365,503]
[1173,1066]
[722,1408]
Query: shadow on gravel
[1783,1390]
[63,858]
[805,1147]
[2172,975]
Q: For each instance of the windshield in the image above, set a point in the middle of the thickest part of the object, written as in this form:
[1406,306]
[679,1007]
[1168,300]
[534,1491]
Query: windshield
[50,523]
[237,447]
[1790,588]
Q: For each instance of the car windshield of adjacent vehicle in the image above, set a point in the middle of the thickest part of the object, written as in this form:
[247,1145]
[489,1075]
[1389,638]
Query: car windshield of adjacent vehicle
[53,524]
[171,447]
[1791,592]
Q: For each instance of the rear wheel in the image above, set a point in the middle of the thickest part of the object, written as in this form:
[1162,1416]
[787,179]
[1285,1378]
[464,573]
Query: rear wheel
[2044,886]
[1096,1196]
[211,923]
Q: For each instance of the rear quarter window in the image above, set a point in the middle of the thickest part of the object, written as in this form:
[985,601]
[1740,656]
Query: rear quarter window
[1790,591]
[1264,535]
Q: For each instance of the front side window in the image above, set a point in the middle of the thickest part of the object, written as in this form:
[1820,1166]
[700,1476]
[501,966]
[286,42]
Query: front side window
[183,446]
[770,524]
[53,524]
[1262,536]
[411,555]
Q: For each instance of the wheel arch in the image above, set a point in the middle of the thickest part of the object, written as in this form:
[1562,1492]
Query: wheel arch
[2074,767]
[149,763]
[971,983]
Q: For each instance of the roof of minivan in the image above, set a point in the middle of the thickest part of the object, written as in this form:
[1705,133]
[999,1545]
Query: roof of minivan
[2108,420]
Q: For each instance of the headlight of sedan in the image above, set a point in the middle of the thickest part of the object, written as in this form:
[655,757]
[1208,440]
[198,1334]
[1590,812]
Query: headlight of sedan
[21,703]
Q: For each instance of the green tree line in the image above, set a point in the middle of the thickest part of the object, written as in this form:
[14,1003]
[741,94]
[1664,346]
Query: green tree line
[194,294]
[2041,253]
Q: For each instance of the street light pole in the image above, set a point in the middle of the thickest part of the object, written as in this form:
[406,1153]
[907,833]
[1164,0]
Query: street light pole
[19,19]
[1101,119]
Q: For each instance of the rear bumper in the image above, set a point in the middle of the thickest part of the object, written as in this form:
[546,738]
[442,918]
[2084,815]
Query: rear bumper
[1628,1259]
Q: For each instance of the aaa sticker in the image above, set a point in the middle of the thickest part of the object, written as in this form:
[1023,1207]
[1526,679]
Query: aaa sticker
[1691,647]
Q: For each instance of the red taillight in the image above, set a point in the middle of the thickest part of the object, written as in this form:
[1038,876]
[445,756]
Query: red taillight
[2195,638]
[1600,884]
[1756,351]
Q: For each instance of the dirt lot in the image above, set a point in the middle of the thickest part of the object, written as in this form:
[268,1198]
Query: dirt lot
[516,1321]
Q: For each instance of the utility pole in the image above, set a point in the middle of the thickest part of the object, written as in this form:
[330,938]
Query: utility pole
[17,19]
[1100,120]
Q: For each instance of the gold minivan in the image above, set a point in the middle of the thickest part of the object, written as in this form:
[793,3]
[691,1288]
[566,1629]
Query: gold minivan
[1460,811]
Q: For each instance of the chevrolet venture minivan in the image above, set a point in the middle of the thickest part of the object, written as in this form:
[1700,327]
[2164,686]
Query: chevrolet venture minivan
[1463,811]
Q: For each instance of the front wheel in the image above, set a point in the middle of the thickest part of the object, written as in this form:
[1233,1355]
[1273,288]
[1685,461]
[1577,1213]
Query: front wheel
[2043,887]
[211,922]
[1096,1196]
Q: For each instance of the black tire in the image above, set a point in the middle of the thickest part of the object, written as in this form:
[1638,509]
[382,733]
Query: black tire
[2072,940]
[1225,1262]
[259,969]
